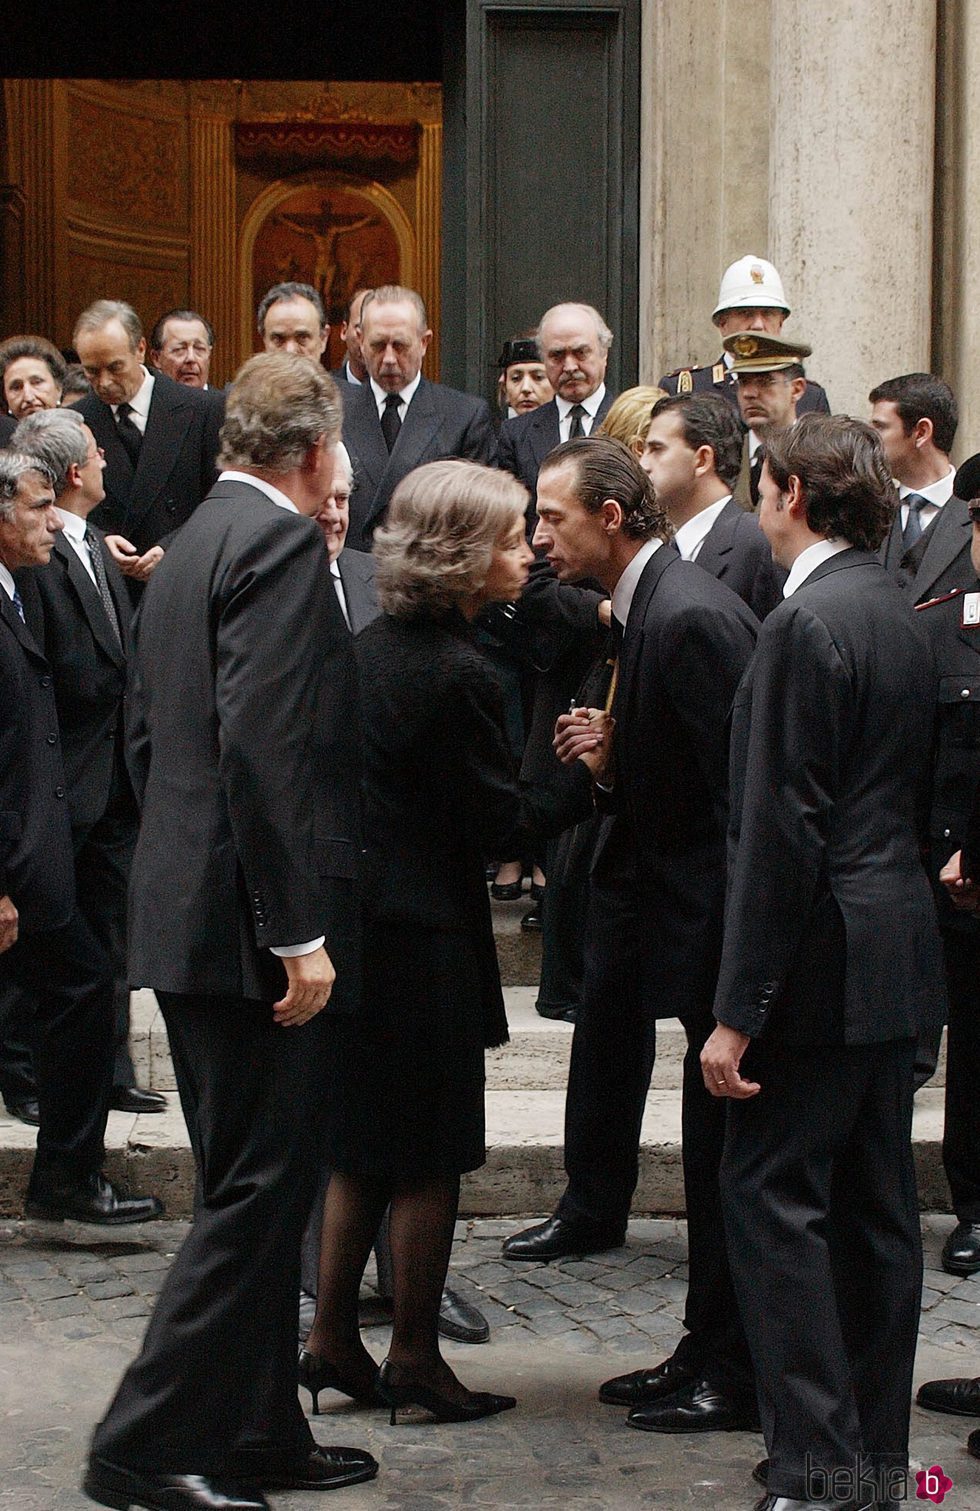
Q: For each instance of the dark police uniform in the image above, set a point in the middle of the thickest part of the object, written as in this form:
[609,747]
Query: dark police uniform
[719,379]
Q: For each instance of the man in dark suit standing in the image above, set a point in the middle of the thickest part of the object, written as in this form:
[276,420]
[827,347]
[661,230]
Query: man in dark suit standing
[57,961]
[83,628]
[398,419]
[352,369]
[574,343]
[228,921]
[654,923]
[927,548]
[291,318]
[769,384]
[693,455]
[831,959]
[750,298]
[160,438]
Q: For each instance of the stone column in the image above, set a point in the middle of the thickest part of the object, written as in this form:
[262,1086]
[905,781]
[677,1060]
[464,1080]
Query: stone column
[851,138]
[31,118]
[214,262]
[428,232]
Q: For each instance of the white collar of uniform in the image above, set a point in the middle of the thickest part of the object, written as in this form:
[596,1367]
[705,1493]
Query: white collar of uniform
[277,497]
[405,396]
[623,592]
[590,405]
[6,581]
[809,560]
[689,535]
[140,402]
[73,525]
[937,493]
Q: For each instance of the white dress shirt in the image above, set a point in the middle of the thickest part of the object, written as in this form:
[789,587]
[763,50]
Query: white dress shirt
[6,582]
[286,951]
[405,396]
[809,560]
[139,404]
[690,537]
[349,376]
[74,529]
[591,407]
[338,587]
[938,494]
[623,592]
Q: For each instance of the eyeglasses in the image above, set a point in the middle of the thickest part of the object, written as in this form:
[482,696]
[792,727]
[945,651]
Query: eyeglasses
[93,454]
[973,509]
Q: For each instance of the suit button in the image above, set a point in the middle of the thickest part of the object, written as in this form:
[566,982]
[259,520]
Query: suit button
[59,792]
[945,834]
[52,739]
[964,692]
[45,681]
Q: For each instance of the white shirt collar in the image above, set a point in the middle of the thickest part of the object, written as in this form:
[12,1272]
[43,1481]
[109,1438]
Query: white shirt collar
[277,497]
[73,525]
[590,405]
[623,592]
[140,402]
[809,560]
[350,376]
[689,537]
[6,581]
[937,493]
[405,396]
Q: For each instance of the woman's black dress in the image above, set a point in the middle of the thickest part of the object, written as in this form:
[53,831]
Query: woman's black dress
[439,793]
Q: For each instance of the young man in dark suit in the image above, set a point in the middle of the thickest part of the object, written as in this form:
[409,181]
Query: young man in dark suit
[398,419]
[654,924]
[228,922]
[831,961]
[83,626]
[57,961]
[693,456]
[160,438]
[927,547]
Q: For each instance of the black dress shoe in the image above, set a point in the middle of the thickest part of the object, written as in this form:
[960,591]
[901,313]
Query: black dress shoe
[697,1407]
[761,1472]
[111,1485]
[644,1386]
[135,1099]
[973,1444]
[25,1112]
[961,1251]
[506,891]
[531,922]
[558,1012]
[324,1469]
[560,1236]
[461,1321]
[91,1198]
[960,1398]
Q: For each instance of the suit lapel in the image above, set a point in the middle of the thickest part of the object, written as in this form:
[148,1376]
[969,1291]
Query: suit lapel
[366,441]
[422,421]
[361,605]
[947,536]
[166,426]
[119,469]
[633,637]
[89,601]
[720,539]
[12,619]
[543,430]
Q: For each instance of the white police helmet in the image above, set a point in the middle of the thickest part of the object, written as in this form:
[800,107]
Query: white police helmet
[751,283]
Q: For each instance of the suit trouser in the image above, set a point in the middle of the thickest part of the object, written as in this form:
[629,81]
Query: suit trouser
[213,1390]
[961,1131]
[66,974]
[818,1190]
[103,856]
[612,1058]
[18,1082]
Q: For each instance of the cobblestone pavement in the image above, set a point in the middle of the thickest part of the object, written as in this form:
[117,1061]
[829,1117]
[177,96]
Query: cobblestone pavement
[74,1302]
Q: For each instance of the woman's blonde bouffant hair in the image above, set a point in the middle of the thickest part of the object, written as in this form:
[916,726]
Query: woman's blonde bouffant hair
[628,417]
[443,522]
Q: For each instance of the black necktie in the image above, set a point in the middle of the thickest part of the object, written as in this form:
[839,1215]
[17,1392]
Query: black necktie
[391,420]
[129,433]
[913,525]
[18,604]
[101,580]
[755,472]
[576,428]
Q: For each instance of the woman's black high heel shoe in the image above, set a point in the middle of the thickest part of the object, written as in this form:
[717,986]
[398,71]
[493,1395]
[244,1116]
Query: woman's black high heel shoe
[481,1403]
[316,1374]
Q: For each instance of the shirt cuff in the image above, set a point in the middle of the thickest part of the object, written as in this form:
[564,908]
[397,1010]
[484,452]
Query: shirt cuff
[290,951]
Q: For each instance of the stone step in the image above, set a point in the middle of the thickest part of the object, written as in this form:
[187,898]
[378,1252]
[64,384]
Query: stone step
[523,1174]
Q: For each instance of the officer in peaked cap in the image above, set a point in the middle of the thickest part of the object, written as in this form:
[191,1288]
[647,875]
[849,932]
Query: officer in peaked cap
[750,298]
[769,382]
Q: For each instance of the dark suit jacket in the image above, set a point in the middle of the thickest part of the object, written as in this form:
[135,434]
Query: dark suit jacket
[940,558]
[830,929]
[36,867]
[440,422]
[176,462]
[687,642]
[88,664]
[229,652]
[525,441]
[721,380]
[739,555]
[7,427]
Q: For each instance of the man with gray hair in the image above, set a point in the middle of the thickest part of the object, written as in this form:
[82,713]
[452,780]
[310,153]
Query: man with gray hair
[398,419]
[291,318]
[83,627]
[228,923]
[47,947]
[160,438]
[574,343]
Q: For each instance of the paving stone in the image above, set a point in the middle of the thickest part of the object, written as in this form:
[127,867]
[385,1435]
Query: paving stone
[105,1290]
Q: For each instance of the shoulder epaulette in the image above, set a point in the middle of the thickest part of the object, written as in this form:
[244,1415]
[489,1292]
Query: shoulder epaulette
[943,598]
[685,381]
[718,372]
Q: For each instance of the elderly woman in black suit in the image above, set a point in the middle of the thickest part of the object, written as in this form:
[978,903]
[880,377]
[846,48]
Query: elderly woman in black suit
[439,793]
